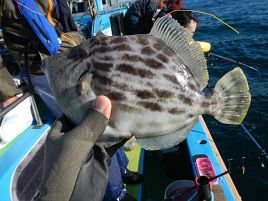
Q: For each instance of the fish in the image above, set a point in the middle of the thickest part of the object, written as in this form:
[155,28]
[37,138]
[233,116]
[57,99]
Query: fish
[155,82]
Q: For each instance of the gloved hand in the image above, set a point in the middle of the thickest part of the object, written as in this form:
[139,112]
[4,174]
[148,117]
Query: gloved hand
[75,168]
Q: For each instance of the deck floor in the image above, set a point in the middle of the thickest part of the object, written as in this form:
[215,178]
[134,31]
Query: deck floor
[160,169]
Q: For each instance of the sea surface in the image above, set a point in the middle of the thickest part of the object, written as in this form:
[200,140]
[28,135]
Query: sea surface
[250,47]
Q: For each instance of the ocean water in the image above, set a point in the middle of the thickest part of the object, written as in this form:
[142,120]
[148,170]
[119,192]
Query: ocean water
[250,47]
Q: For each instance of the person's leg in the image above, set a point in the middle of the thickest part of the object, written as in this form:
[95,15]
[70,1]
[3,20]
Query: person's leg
[115,188]
[122,160]
[129,177]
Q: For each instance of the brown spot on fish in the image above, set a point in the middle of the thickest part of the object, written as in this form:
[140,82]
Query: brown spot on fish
[144,94]
[121,86]
[117,96]
[185,100]
[101,49]
[147,50]
[104,49]
[163,93]
[191,116]
[176,111]
[102,79]
[127,68]
[117,40]
[152,63]
[103,38]
[142,40]
[122,47]
[149,84]
[144,73]
[106,58]
[102,66]
[162,57]
[151,106]
[171,78]
[104,43]
[193,87]
[131,58]
[205,104]
[157,46]
[128,108]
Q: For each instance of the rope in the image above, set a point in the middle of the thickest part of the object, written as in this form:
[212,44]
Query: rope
[206,13]
[233,61]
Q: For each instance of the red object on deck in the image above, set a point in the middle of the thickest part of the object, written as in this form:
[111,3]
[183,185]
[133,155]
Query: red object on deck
[205,168]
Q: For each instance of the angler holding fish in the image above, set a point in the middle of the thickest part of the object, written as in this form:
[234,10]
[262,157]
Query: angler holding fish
[154,81]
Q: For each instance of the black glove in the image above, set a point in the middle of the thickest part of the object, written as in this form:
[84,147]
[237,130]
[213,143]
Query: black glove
[75,168]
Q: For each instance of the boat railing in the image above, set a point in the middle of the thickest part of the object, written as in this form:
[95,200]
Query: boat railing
[18,101]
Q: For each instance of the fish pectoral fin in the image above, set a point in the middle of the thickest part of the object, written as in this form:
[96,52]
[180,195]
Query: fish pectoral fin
[84,83]
[166,140]
[181,41]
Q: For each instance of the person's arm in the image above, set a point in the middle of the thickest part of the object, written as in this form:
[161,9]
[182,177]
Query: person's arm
[8,87]
[75,168]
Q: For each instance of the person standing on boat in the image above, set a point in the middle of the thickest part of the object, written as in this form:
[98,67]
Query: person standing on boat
[139,16]
[186,19]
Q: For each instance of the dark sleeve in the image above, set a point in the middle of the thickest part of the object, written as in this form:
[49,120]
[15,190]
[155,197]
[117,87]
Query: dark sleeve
[150,10]
[7,86]
[75,168]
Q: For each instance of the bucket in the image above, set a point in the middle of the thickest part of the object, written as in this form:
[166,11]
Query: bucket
[180,190]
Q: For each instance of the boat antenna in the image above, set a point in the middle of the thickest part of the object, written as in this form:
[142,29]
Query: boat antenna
[236,62]
[206,13]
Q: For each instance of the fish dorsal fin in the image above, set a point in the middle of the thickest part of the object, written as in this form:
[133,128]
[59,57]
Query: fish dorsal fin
[180,40]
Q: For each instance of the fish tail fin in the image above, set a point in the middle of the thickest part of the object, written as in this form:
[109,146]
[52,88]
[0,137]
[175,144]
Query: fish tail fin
[233,92]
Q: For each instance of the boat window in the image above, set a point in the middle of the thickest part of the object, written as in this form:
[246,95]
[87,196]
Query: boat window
[78,6]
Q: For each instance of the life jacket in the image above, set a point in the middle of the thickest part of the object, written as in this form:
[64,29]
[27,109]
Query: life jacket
[43,29]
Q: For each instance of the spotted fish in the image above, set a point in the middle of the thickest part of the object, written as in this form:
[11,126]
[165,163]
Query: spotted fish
[154,81]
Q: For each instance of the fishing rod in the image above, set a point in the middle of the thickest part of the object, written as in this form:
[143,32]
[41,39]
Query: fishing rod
[263,151]
[233,61]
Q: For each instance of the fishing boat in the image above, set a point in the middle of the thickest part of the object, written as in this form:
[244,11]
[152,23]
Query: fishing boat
[184,172]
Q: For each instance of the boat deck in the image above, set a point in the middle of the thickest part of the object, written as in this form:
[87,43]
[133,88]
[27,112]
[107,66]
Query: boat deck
[160,168]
